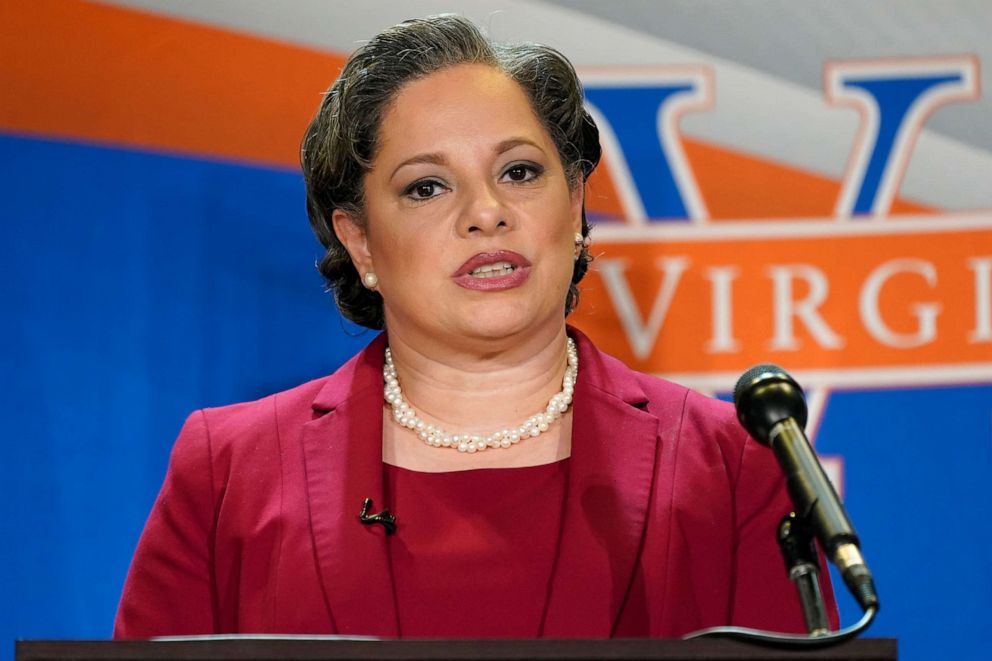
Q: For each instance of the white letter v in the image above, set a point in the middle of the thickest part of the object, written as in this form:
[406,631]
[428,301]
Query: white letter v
[641,336]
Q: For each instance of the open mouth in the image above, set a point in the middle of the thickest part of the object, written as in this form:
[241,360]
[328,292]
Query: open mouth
[496,270]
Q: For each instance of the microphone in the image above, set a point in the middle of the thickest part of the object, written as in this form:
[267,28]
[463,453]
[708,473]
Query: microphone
[772,408]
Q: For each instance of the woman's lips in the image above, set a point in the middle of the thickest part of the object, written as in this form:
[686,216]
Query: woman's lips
[493,271]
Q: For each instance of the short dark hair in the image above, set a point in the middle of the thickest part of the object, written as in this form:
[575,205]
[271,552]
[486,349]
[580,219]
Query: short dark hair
[341,141]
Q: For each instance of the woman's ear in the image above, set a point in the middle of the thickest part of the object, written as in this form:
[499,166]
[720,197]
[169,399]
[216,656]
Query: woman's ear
[354,239]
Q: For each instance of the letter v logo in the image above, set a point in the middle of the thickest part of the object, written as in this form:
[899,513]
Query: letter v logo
[894,97]
[637,114]
[641,335]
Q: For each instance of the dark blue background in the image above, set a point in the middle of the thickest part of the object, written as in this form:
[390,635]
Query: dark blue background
[139,287]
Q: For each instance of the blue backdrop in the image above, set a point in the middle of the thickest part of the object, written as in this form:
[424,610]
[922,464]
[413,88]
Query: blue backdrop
[138,287]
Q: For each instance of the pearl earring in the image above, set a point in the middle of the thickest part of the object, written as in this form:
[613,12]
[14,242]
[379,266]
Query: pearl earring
[580,243]
[370,280]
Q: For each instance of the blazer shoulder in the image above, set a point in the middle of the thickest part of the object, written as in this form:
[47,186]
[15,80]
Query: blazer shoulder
[690,415]
[264,432]
[692,405]
[705,424]
[226,424]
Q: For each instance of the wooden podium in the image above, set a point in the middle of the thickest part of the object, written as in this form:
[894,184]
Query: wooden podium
[313,649]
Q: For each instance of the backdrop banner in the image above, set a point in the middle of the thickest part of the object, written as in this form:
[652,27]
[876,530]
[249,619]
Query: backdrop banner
[802,183]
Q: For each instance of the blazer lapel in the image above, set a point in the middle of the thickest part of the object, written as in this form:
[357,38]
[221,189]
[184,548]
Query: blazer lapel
[343,456]
[614,445]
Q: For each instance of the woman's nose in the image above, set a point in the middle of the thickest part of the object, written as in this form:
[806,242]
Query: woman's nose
[483,212]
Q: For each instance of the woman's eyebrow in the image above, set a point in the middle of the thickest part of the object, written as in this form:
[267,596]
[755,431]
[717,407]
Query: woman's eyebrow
[433,158]
[510,143]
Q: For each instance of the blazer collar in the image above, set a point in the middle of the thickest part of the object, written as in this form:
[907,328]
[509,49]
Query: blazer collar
[342,449]
[614,445]
[611,475]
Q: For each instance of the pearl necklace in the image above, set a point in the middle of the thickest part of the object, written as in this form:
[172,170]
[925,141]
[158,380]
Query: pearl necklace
[433,435]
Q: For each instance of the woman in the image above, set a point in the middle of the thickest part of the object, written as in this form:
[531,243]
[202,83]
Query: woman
[539,487]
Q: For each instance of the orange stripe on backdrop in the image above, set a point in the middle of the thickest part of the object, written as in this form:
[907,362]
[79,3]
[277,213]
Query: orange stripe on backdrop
[739,186]
[92,72]
[736,185]
[867,321]
[84,71]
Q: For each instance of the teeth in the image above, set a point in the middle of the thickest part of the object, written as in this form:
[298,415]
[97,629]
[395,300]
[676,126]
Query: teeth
[494,270]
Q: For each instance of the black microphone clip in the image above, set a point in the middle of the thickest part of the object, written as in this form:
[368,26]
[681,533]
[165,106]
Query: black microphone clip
[384,518]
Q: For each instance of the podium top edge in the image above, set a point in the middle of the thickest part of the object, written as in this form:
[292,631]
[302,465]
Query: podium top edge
[314,648]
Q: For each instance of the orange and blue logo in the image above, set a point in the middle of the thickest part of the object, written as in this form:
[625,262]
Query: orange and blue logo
[840,280]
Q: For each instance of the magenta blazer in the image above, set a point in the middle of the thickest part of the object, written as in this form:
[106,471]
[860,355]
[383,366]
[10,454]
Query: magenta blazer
[669,523]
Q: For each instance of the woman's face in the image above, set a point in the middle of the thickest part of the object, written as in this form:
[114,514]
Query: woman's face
[470,218]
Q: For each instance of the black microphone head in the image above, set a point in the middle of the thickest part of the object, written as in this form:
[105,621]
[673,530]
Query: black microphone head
[765,395]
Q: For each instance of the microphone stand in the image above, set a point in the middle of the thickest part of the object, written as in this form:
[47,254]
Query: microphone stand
[771,406]
[795,540]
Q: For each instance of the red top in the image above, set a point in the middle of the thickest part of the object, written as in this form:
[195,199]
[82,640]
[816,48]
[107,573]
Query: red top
[474,550]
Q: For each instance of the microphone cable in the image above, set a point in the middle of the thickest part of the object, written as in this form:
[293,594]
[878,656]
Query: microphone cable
[791,640]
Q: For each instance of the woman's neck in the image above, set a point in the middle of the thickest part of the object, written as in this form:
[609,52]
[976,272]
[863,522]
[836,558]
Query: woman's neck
[479,389]
[496,385]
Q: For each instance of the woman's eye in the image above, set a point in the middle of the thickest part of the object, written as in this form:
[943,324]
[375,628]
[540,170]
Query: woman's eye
[520,173]
[423,190]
